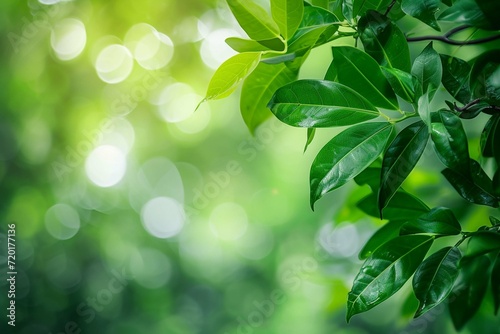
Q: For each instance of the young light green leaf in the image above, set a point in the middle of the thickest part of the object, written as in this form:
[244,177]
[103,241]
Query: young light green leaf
[249,45]
[310,136]
[400,159]
[387,232]
[434,279]
[361,72]
[230,74]
[288,15]
[469,291]
[428,69]
[422,10]
[438,221]
[258,88]
[384,41]
[482,242]
[319,103]
[477,13]
[361,7]
[385,271]
[254,20]
[450,141]
[475,189]
[495,284]
[347,155]
[401,82]
[456,78]
[423,109]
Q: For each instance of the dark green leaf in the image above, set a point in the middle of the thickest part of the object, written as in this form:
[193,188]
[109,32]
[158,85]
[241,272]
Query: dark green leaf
[288,15]
[254,20]
[249,45]
[494,221]
[428,69]
[477,189]
[387,232]
[371,177]
[360,7]
[401,82]
[400,159]
[318,103]
[384,41]
[348,9]
[423,10]
[478,13]
[469,291]
[495,284]
[438,221]
[485,76]
[487,141]
[347,155]
[401,206]
[482,242]
[361,72]
[435,277]
[450,141]
[310,136]
[258,89]
[456,78]
[385,272]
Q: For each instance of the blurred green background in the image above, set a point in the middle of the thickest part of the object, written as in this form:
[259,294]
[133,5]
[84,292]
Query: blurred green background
[135,214]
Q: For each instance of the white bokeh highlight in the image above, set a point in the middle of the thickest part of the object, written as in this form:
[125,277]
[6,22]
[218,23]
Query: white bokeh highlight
[114,63]
[163,217]
[106,165]
[68,38]
[62,221]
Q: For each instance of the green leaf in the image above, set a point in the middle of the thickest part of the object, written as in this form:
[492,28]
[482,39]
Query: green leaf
[456,78]
[401,82]
[438,221]
[360,7]
[288,15]
[310,136]
[258,88]
[347,155]
[485,77]
[476,189]
[384,41]
[319,103]
[482,242]
[450,141]
[469,291]
[424,10]
[428,69]
[494,221]
[361,72]
[230,74]
[249,45]
[477,13]
[348,9]
[490,131]
[254,20]
[495,283]
[387,232]
[385,272]
[435,277]
[401,206]
[423,108]
[400,159]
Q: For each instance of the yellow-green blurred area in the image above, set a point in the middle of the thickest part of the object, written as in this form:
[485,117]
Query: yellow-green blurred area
[135,213]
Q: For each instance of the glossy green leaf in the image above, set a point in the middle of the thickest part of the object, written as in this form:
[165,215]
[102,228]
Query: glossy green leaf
[438,221]
[370,176]
[348,10]
[320,3]
[230,74]
[495,284]
[401,206]
[482,242]
[494,221]
[477,13]
[456,77]
[361,7]
[491,130]
[485,76]
[469,291]
[434,279]
[450,141]
[310,136]
[428,69]
[423,109]
[254,20]
[385,233]
[384,41]
[249,45]
[385,272]
[361,72]
[475,189]
[258,88]
[319,103]
[424,10]
[288,15]
[402,83]
[347,155]
[400,159]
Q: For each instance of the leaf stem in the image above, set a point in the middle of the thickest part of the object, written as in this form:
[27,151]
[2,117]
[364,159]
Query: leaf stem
[446,38]
[389,7]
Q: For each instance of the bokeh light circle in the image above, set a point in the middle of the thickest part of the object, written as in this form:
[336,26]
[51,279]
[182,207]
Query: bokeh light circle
[62,221]
[163,217]
[114,63]
[179,102]
[68,38]
[105,166]
[228,221]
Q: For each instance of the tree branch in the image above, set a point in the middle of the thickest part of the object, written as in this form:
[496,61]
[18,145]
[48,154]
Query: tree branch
[445,38]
